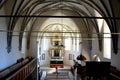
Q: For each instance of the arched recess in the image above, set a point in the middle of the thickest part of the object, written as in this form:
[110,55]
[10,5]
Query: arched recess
[62,31]
[105,37]
[106,42]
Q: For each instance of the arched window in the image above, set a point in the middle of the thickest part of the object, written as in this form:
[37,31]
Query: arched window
[45,43]
[106,41]
[68,43]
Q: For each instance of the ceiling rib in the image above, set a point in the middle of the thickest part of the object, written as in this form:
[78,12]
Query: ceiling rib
[19,13]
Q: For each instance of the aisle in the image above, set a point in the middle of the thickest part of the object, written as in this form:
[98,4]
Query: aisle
[63,74]
[57,76]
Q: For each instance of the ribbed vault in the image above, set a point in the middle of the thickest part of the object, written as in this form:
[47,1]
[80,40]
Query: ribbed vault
[29,11]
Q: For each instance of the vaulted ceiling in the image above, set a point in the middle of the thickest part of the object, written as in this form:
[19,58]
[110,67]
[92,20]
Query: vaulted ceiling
[31,10]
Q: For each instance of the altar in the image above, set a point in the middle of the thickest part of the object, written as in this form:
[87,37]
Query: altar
[56,54]
[56,63]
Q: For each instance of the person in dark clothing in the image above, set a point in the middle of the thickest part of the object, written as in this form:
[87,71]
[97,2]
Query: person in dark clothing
[76,65]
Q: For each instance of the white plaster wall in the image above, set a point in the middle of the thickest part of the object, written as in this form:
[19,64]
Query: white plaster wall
[86,50]
[115,61]
[33,47]
[95,48]
[67,61]
[7,59]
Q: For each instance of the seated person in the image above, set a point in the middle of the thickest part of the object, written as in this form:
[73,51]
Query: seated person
[76,65]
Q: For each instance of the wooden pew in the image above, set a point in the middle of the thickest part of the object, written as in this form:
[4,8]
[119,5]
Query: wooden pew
[20,70]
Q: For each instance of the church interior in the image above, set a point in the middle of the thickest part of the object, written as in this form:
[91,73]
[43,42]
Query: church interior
[59,39]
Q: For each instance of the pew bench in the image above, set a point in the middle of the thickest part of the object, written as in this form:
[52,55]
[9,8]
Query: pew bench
[20,70]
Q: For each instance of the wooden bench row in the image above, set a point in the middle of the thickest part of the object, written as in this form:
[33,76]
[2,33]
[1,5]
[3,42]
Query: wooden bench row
[114,73]
[19,71]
